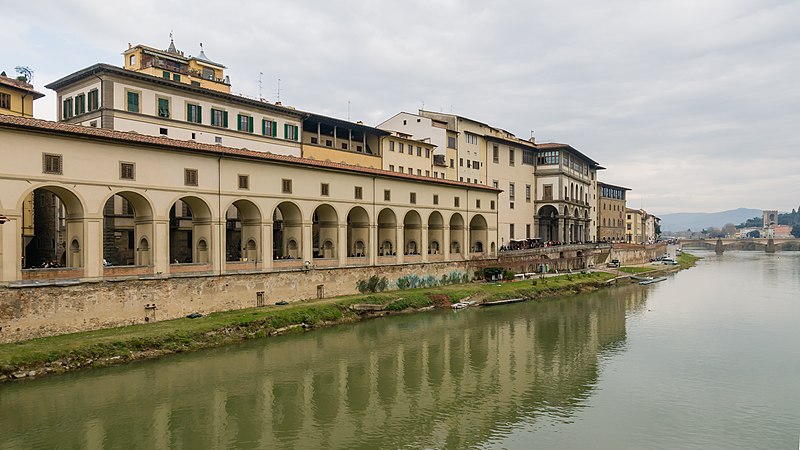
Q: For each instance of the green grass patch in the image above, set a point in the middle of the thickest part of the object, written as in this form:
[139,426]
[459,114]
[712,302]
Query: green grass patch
[635,270]
[687,260]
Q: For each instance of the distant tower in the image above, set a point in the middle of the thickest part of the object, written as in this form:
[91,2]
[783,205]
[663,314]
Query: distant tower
[770,218]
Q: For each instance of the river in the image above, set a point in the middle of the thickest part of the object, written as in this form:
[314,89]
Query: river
[707,359]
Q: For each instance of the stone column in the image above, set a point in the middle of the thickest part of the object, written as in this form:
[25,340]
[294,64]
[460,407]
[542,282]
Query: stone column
[218,255]
[342,250]
[92,247]
[266,246]
[400,244]
[10,247]
[446,242]
[372,245]
[425,245]
[160,246]
[307,243]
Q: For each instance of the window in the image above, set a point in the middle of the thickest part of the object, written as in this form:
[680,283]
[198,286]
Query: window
[194,113]
[495,184]
[511,205]
[5,100]
[456,202]
[419,172]
[527,156]
[427,153]
[52,164]
[195,83]
[163,131]
[219,118]
[511,230]
[244,181]
[163,107]
[286,186]
[476,164]
[80,104]
[127,171]
[190,177]
[402,169]
[66,111]
[359,193]
[410,149]
[207,73]
[527,231]
[290,132]
[400,147]
[176,77]
[92,97]
[469,180]
[461,162]
[391,167]
[495,154]
[344,145]
[165,75]
[528,193]
[412,198]
[451,142]
[391,146]
[427,173]
[419,151]
[133,101]
[547,194]
[511,159]
[477,203]
[471,138]
[547,158]
[491,205]
[324,189]
[218,139]
[452,163]
[244,123]
[270,128]
[387,195]
[314,140]
[511,191]
[410,171]
[435,199]
[132,60]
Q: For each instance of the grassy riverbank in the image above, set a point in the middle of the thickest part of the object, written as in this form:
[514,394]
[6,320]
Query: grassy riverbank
[98,348]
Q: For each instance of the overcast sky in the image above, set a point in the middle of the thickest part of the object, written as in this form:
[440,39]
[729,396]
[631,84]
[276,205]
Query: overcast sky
[694,105]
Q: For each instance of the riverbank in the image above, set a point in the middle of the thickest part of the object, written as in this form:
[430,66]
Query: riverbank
[59,354]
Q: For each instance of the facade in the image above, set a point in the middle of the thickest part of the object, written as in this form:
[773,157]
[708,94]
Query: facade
[136,99]
[635,223]
[510,167]
[329,139]
[17,96]
[611,213]
[401,153]
[566,180]
[162,207]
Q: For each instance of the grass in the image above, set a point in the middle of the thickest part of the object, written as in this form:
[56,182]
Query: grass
[634,270]
[114,345]
[687,260]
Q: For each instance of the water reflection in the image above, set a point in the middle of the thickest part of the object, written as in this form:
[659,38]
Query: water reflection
[433,380]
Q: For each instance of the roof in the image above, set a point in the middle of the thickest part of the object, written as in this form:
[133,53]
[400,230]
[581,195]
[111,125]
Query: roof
[515,142]
[345,124]
[108,68]
[79,131]
[558,146]
[613,185]
[20,85]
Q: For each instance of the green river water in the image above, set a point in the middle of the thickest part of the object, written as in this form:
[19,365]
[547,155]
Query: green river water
[707,359]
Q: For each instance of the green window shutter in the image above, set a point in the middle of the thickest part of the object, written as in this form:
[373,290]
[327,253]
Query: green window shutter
[214,117]
[264,127]
[199,117]
[250,124]
[239,122]
[225,119]
[64,109]
[285,130]
[296,133]
[274,129]
[133,102]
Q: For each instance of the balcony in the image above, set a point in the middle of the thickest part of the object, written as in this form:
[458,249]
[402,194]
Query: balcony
[181,69]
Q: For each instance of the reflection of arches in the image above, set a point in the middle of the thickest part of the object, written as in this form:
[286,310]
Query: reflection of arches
[357,232]
[324,231]
[286,231]
[189,224]
[53,214]
[387,231]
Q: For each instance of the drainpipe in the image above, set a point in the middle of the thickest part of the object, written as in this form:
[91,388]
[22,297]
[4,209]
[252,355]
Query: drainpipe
[23,104]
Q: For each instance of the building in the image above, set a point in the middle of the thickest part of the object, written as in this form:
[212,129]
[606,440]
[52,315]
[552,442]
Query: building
[164,93]
[652,226]
[436,132]
[17,96]
[641,227]
[329,139]
[611,212]
[404,154]
[510,167]
[566,181]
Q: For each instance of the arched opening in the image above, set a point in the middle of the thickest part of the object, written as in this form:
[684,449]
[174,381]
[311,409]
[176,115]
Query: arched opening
[478,234]
[324,232]
[286,231]
[189,226]
[412,233]
[387,232]
[493,249]
[242,231]
[435,233]
[52,217]
[127,221]
[456,233]
[357,232]
[548,223]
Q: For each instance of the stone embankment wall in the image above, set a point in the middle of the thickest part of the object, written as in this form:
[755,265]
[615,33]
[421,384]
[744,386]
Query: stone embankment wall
[628,254]
[575,257]
[31,312]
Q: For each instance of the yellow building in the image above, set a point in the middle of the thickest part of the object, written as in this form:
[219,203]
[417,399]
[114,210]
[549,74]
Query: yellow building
[611,211]
[335,140]
[17,96]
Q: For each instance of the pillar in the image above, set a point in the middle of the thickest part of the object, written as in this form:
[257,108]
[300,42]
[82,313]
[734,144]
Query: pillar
[10,249]
[266,246]
[372,244]
[424,245]
[400,243]
[217,255]
[92,247]
[160,246]
[341,243]
[307,242]
[446,242]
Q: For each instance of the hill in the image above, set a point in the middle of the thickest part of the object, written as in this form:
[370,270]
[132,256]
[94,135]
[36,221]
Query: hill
[698,221]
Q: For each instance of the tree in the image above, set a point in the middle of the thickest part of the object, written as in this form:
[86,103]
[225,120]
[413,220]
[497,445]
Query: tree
[729,229]
[796,231]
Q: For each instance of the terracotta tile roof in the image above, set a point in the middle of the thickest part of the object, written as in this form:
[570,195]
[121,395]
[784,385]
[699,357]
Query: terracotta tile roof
[21,85]
[66,129]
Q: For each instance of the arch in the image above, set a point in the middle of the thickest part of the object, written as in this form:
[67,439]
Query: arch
[189,224]
[456,233]
[242,225]
[357,232]
[493,249]
[143,252]
[435,233]
[56,216]
[412,232]
[287,231]
[387,232]
[324,231]
[127,219]
[478,234]
[549,229]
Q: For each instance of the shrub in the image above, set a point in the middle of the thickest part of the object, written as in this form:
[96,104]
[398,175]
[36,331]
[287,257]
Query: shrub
[508,275]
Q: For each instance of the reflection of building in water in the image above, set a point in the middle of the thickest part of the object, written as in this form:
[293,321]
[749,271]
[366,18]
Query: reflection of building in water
[435,380]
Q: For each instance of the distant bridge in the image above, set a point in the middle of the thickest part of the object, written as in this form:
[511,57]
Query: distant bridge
[757,244]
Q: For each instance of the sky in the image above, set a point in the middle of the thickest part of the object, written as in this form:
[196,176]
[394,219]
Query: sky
[694,105]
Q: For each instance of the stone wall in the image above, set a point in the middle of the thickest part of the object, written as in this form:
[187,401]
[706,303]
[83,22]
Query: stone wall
[636,253]
[30,312]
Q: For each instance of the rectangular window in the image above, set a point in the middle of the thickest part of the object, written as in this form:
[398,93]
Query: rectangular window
[511,158]
[66,111]
[127,171]
[163,131]
[314,140]
[511,205]
[410,171]
[478,203]
[419,172]
[528,193]
[387,195]
[400,147]
[452,163]
[419,151]
[469,164]
[547,194]
[495,154]
[427,153]
[133,102]
[165,75]
[359,193]
[290,132]
[511,191]
[402,169]
[471,138]
[324,189]
[427,173]
[92,97]
[190,177]
[52,164]
[527,231]
[391,146]
[511,230]
[176,77]
[456,202]
[412,198]
[5,100]
[435,199]
[391,167]
[451,142]
[244,123]
[163,107]
[547,158]
[80,104]
[527,156]
[219,118]
[460,162]
[476,164]
[344,145]
[244,181]
[194,113]
[491,205]
[286,186]
[270,128]
[410,149]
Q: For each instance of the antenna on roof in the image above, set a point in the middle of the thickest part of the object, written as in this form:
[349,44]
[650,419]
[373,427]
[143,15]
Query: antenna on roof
[278,91]
[348,110]
[260,74]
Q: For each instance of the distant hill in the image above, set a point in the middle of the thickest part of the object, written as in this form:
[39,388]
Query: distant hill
[698,221]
